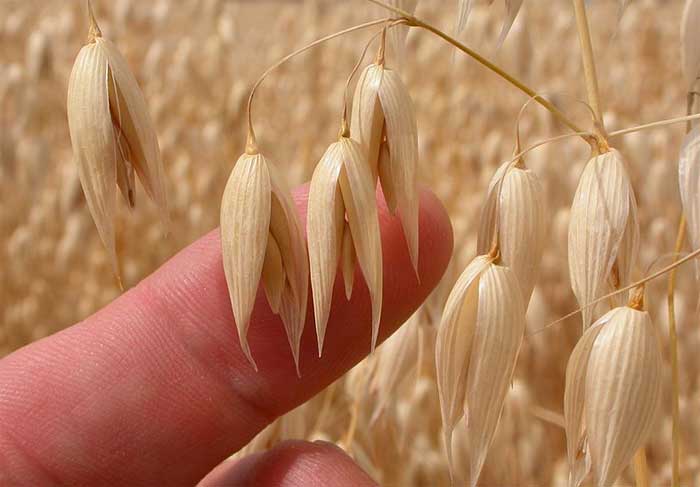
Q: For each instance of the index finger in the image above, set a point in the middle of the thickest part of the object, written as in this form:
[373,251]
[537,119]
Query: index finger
[154,389]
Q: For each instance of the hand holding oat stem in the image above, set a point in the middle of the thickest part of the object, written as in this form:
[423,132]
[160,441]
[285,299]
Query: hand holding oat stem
[154,389]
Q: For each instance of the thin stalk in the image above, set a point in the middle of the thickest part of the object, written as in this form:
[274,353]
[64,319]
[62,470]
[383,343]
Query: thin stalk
[522,111]
[94,31]
[694,254]
[416,22]
[251,143]
[673,346]
[589,70]
[660,123]
[689,109]
[673,339]
[641,469]
[585,135]
[346,91]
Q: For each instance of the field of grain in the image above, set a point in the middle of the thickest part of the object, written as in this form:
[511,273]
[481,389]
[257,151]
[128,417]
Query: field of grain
[196,61]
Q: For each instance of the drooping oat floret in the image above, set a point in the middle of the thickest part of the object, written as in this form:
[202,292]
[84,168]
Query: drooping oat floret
[384,122]
[603,230]
[342,221]
[613,392]
[112,135]
[519,217]
[262,239]
[476,351]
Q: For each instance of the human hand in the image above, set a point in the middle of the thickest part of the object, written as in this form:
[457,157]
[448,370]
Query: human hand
[155,390]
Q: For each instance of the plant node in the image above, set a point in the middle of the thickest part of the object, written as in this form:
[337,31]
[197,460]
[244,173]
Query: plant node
[637,299]
[94,31]
[251,143]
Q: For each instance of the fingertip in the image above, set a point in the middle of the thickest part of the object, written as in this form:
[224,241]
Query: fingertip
[439,236]
[292,463]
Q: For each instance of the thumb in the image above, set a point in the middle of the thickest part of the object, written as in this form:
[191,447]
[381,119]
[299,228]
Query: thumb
[291,464]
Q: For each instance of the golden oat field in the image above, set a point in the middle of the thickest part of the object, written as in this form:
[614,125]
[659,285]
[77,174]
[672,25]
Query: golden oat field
[196,61]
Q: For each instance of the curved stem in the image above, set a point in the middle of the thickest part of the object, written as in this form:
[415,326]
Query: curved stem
[585,135]
[251,143]
[522,111]
[380,56]
[589,70]
[673,345]
[416,22]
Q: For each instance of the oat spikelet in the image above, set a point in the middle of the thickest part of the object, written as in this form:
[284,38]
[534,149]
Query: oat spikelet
[574,394]
[520,220]
[453,347]
[245,226]
[690,42]
[93,140]
[262,239]
[603,230]
[465,8]
[476,350]
[384,122]
[396,361]
[512,9]
[112,135]
[613,392]
[689,183]
[342,201]
[287,232]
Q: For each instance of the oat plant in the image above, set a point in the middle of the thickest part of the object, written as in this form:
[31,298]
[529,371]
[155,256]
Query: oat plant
[612,389]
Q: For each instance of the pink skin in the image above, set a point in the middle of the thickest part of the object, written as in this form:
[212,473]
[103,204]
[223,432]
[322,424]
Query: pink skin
[155,390]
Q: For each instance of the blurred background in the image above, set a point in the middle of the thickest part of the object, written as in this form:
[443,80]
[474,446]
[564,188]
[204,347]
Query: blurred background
[196,61]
